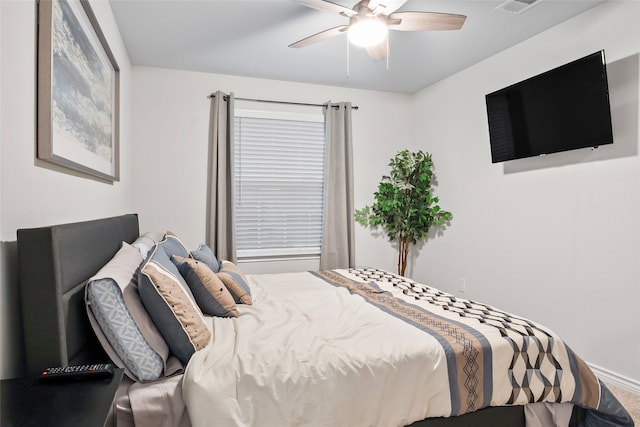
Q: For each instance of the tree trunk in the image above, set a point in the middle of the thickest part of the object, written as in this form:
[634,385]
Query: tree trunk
[403,254]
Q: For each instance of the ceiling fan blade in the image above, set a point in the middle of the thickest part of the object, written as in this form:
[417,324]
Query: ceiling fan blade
[385,7]
[430,21]
[378,52]
[327,6]
[322,35]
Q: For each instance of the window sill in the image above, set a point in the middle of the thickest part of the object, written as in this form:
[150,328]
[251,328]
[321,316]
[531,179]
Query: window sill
[273,258]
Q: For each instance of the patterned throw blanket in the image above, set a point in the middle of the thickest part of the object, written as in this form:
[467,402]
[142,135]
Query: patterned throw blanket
[493,358]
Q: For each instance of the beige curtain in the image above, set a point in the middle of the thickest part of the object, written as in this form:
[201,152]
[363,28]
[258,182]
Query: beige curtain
[220,205]
[338,248]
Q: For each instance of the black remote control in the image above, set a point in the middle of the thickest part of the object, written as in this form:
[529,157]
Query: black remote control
[79,372]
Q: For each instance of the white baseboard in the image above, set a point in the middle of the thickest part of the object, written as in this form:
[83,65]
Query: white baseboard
[616,380]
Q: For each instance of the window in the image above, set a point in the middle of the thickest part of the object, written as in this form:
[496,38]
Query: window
[279,179]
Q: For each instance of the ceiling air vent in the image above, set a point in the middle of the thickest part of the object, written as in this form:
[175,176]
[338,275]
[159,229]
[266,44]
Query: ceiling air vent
[516,6]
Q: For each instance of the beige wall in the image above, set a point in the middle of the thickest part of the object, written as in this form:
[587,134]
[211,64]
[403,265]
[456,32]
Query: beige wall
[555,238]
[32,193]
[171,113]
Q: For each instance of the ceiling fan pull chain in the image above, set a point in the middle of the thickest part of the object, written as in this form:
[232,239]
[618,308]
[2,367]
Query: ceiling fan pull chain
[387,52]
[348,56]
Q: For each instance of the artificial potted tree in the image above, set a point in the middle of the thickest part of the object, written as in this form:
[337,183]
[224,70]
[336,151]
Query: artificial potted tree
[404,204]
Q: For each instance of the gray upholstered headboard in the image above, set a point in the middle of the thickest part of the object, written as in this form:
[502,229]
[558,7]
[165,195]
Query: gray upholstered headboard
[53,264]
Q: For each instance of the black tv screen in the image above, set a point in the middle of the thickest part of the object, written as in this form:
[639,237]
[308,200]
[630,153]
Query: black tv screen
[562,109]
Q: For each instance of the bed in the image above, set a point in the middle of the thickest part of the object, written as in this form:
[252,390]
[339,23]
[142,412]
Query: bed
[383,350]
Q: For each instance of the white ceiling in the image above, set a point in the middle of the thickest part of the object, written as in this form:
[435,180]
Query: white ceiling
[251,38]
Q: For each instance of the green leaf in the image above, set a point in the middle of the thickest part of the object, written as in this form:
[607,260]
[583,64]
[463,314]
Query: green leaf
[404,206]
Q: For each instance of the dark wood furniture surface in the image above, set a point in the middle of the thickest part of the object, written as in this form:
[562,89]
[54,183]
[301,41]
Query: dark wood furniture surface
[28,402]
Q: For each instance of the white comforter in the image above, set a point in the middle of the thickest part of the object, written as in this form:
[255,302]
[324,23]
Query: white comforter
[313,358]
[365,347]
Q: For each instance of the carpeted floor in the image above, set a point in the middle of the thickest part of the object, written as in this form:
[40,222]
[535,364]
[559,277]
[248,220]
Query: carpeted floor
[630,401]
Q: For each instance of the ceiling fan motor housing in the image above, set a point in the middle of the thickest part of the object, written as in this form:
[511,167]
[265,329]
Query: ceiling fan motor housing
[377,17]
[365,31]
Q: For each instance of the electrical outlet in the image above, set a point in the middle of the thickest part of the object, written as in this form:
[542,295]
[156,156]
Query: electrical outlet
[462,284]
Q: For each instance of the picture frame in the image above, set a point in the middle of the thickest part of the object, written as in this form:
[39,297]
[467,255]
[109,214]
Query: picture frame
[78,91]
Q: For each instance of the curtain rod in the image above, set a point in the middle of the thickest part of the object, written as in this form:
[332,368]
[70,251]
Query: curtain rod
[213,95]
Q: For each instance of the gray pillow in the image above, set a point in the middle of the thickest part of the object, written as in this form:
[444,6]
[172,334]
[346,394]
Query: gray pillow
[210,293]
[235,280]
[170,304]
[173,246]
[205,254]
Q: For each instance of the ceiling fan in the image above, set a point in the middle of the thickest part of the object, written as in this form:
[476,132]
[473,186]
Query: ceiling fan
[370,20]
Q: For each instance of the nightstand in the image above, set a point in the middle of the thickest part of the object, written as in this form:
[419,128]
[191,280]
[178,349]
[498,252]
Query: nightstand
[27,402]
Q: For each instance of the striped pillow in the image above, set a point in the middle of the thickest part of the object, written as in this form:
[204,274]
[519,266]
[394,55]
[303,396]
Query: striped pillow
[171,305]
[210,293]
[173,246]
[235,280]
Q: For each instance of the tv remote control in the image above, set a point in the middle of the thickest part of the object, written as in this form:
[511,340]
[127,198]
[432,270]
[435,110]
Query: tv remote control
[79,372]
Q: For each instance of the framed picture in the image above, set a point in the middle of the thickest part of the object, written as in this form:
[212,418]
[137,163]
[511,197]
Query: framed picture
[78,91]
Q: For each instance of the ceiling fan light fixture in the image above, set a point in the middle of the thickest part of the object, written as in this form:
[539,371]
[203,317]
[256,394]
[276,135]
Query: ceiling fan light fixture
[367,31]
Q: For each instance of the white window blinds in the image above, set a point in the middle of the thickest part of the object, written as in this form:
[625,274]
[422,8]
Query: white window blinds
[279,178]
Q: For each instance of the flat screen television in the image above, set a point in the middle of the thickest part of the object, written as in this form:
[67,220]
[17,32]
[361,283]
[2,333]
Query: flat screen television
[562,109]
